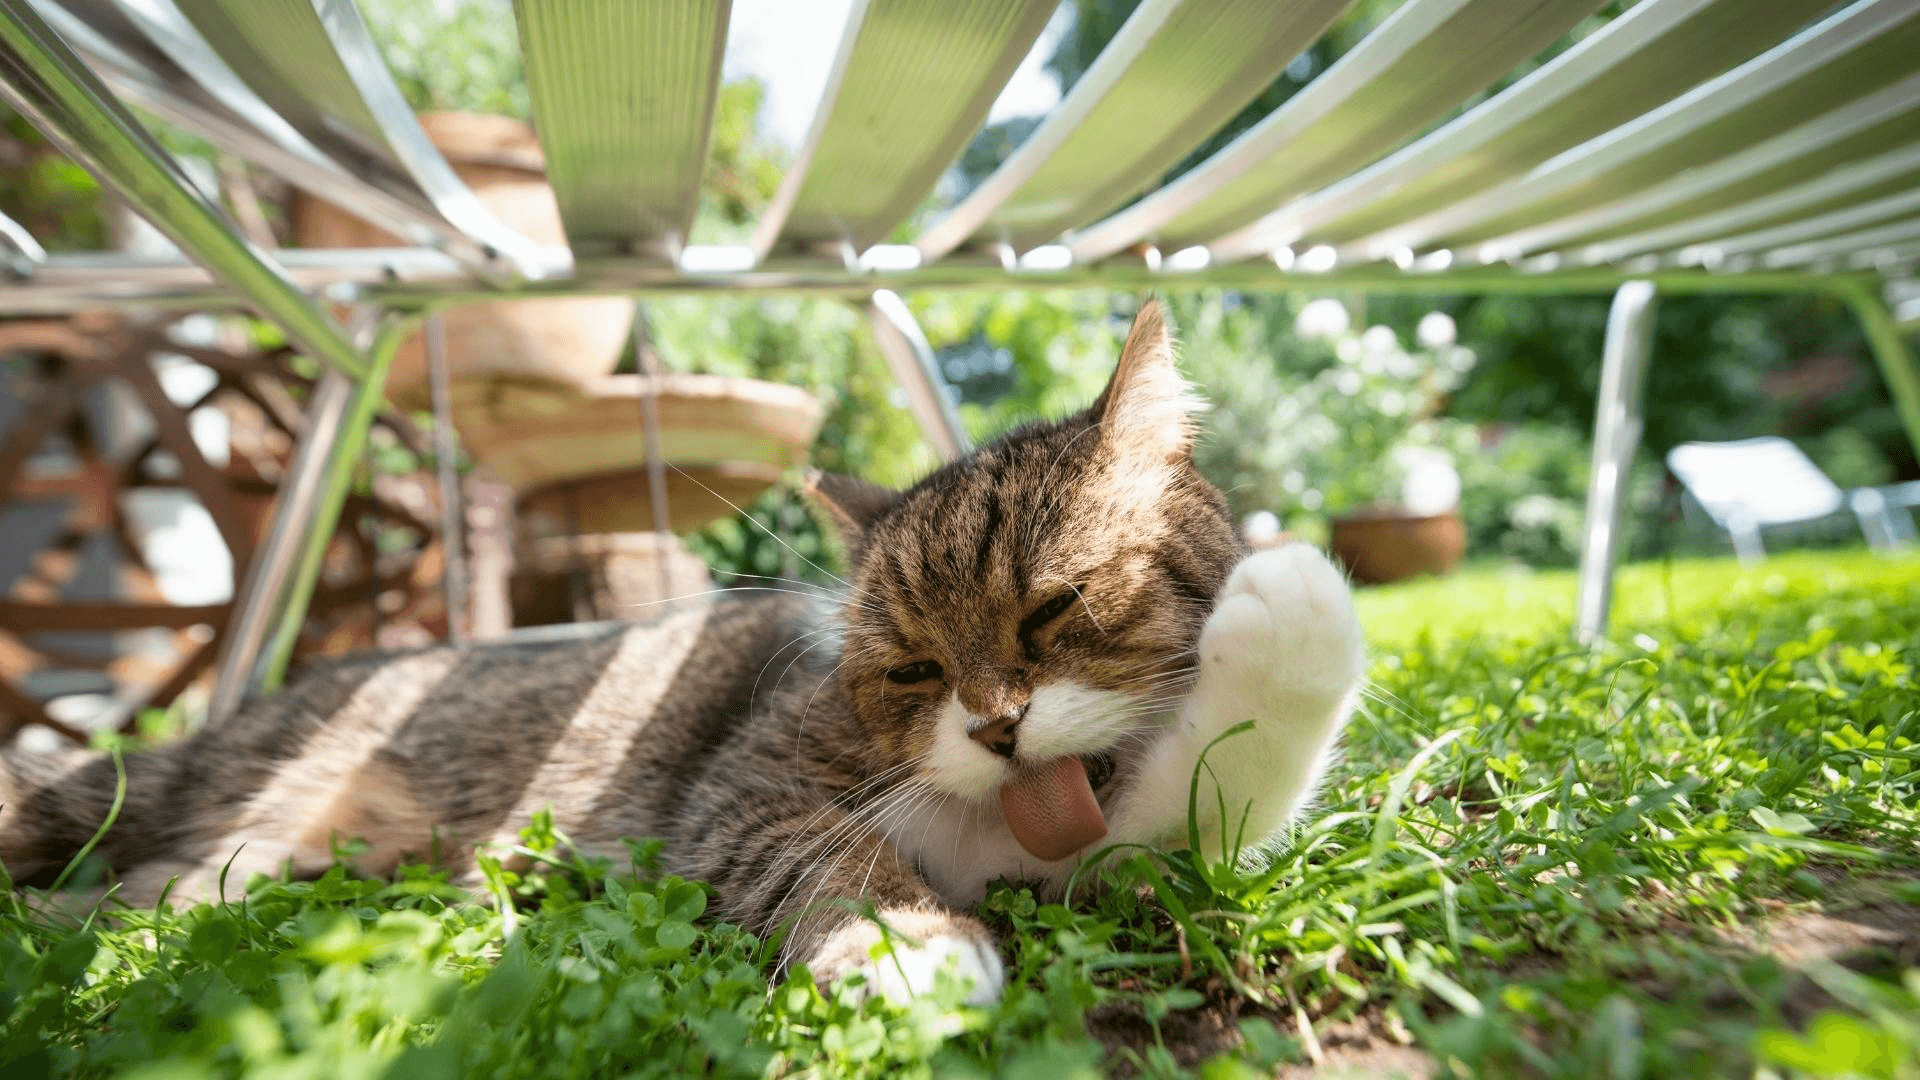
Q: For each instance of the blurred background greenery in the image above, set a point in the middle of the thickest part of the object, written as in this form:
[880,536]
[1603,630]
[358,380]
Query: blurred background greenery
[1316,400]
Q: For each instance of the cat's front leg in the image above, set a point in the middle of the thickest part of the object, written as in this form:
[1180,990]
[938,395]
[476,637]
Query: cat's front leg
[850,904]
[1282,649]
[900,953]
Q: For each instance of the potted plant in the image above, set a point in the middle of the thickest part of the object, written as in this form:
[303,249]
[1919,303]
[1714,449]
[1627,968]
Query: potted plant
[1341,429]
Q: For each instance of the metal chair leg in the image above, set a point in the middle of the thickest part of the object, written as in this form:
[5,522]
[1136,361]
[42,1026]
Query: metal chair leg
[1616,435]
[1890,351]
[911,359]
[1876,525]
[1747,546]
[292,517]
[648,366]
[446,445]
[367,398]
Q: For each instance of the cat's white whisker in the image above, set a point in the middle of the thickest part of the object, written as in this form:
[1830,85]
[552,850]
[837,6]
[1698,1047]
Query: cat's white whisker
[775,537]
[814,849]
[903,811]
[845,834]
[1159,678]
[1088,607]
[800,725]
[854,815]
[1388,697]
[884,777]
[1053,467]
[754,694]
[723,590]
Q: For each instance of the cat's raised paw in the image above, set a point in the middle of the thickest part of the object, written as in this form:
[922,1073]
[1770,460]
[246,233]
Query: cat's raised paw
[1285,620]
[919,945]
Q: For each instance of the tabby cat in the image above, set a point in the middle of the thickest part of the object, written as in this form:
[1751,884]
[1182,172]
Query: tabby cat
[1035,645]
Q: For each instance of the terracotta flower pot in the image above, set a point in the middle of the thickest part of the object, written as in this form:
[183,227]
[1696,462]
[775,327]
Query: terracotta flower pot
[602,576]
[619,502]
[1386,545]
[703,419]
[584,471]
[531,355]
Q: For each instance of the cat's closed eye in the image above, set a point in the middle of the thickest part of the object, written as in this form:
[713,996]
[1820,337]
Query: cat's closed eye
[1047,612]
[919,671]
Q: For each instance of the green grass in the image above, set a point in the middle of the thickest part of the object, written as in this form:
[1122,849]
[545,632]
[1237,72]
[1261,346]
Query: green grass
[1532,860]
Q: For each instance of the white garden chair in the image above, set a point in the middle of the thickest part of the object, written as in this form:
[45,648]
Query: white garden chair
[1886,513]
[1752,484]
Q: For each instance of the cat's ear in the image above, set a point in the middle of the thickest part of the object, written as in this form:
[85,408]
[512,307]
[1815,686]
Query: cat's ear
[1147,408]
[853,503]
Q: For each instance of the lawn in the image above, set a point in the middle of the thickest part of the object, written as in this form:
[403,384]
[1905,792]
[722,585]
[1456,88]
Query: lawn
[1692,852]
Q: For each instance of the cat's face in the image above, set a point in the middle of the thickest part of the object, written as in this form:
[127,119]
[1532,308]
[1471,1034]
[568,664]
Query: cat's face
[1042,597]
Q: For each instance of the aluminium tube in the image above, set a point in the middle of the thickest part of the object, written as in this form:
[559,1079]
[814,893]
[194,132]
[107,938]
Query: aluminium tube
[1616,434]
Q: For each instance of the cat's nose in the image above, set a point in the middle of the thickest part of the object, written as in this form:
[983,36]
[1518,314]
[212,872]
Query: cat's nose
[997,733]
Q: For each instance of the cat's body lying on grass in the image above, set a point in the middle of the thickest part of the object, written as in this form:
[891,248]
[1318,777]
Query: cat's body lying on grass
[1036,645]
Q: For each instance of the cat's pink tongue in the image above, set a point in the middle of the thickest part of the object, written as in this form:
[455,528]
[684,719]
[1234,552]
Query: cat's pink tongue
[1051,809]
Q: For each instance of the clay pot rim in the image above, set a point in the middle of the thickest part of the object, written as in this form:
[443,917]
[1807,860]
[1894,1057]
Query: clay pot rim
[590,544]
[788,415]
[683,384]
[730,469]
[529,158]
[1381,515]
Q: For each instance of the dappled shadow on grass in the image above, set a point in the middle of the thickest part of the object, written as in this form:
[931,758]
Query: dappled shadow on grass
[1190,1037]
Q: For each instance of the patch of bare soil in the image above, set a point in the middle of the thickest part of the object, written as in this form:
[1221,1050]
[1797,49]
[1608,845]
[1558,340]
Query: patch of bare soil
[1361,1048]
[1862,928]
[1191,1035]
[1878,933]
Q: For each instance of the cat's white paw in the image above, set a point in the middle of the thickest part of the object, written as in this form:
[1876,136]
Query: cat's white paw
[920,946]
[911,971]
[1282,649]
[1284,624]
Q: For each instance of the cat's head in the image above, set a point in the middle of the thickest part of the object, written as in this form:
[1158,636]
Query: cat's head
[1041,597]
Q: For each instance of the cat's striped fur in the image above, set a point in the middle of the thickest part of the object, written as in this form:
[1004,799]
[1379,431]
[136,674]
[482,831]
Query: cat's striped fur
[796,753]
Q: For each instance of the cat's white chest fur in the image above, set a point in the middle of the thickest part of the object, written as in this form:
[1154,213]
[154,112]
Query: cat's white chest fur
[1282,649]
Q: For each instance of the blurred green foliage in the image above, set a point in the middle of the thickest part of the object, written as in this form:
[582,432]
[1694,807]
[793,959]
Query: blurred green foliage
[1317,419]
[59,203]
[1309,426]
[452,57]
[1722,367]
[1523,496]
[743,170]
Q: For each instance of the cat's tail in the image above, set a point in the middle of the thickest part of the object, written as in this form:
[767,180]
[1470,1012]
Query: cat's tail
[51,804]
